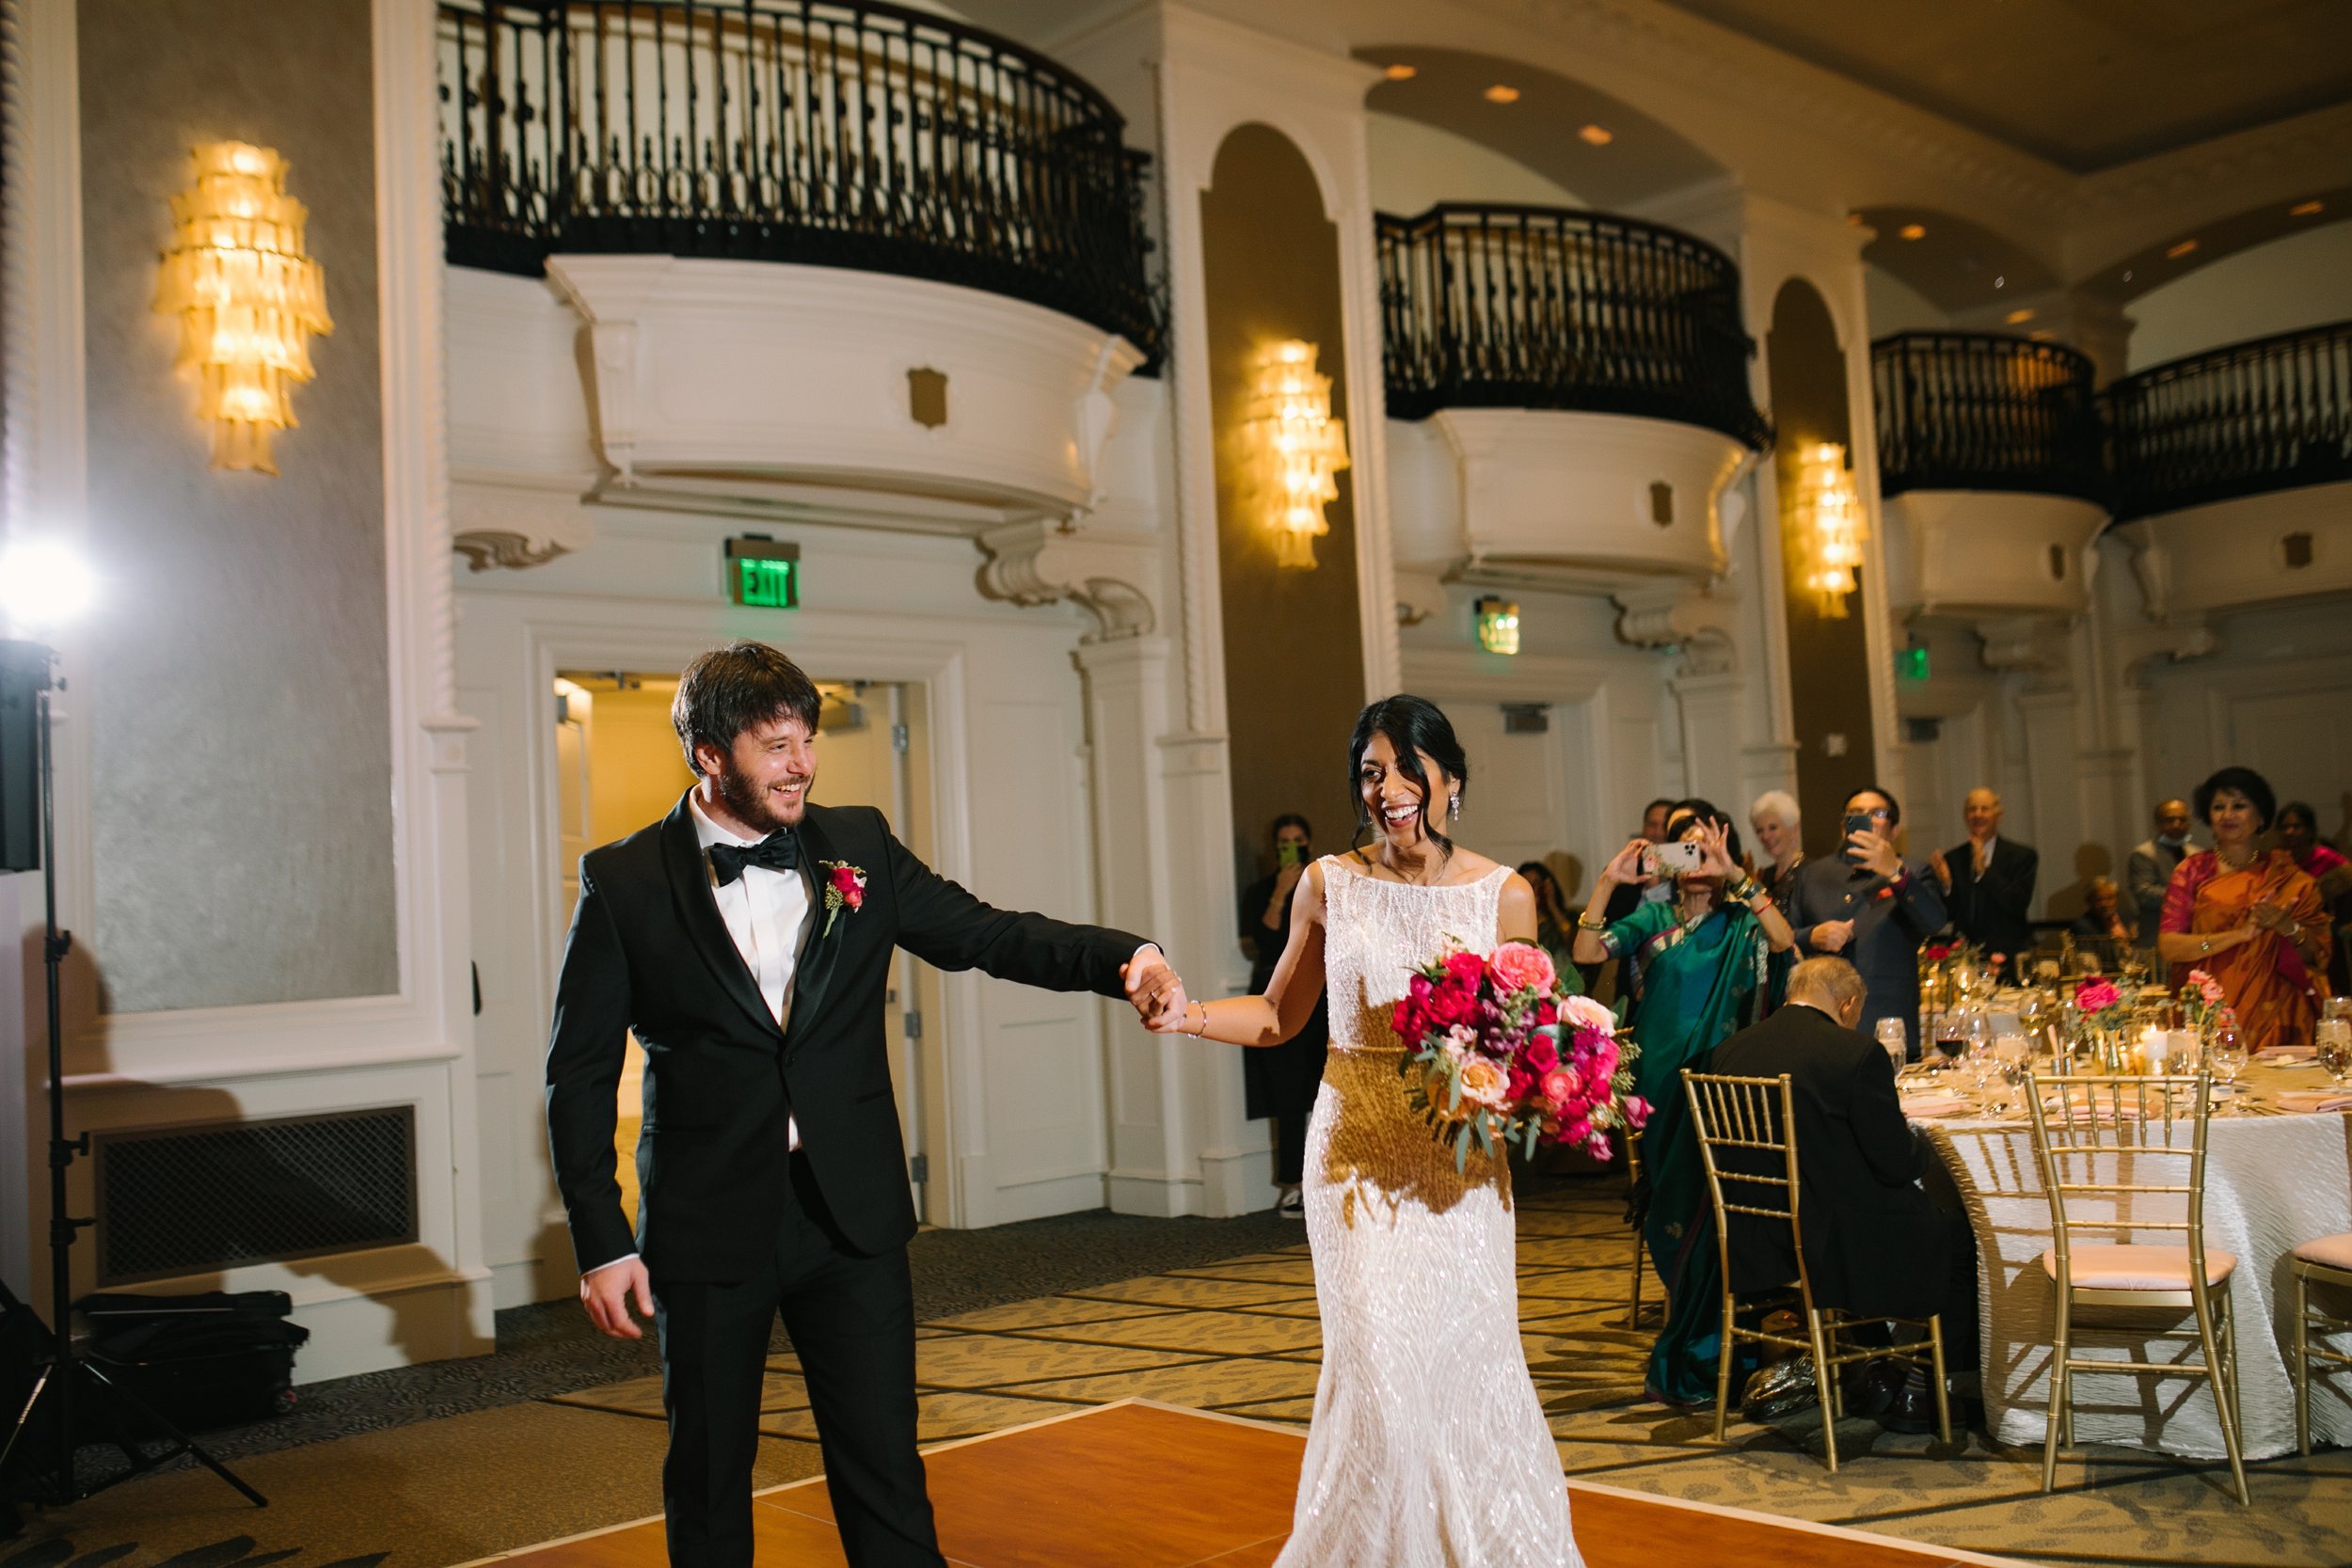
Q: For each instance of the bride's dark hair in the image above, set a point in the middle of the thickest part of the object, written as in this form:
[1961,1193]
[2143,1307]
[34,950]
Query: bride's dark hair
[1413,725]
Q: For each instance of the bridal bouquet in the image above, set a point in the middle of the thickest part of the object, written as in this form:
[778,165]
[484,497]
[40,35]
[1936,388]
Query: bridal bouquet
[1495,1054]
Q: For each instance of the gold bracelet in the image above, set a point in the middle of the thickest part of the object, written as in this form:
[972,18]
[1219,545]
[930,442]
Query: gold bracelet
[1197,1034]
[1586,923]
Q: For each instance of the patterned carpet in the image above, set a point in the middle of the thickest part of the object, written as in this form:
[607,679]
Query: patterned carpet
[1234,1334]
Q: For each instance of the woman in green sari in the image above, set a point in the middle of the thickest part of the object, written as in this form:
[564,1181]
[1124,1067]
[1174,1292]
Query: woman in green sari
[1704,963]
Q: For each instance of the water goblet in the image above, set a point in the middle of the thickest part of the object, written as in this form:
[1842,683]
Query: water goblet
[2014,1054]
[2225,1053]
[2334,1039]
[1893,1040]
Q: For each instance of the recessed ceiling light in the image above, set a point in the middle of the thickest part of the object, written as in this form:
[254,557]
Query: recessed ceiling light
[2127,276]
[2307,209]
[1914,231]
[2000,282]
[1596,135]
[2180,250]
[1401,73]
[1501,94]
[2019,317]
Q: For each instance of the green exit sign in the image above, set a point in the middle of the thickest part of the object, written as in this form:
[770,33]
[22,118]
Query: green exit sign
[763,573]
[1912,664]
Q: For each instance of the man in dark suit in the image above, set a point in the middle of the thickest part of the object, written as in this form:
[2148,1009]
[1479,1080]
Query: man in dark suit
[1988,883]
[1875,1244]
[1871,909]
[747,940]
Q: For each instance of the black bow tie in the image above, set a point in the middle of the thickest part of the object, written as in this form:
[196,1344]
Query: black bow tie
[779,851]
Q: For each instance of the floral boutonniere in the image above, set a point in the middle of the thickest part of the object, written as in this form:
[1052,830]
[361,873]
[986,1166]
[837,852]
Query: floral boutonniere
[845,889]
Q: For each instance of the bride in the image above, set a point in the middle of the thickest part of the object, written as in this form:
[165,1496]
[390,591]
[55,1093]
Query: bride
[1429,1446]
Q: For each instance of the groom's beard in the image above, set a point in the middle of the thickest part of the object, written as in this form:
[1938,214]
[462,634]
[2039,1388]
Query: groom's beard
[748,802]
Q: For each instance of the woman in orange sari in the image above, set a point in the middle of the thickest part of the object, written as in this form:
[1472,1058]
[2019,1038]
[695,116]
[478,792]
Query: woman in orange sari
[2249,917]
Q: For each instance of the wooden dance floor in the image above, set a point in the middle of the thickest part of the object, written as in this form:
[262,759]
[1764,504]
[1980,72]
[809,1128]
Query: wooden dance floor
[1137,1485]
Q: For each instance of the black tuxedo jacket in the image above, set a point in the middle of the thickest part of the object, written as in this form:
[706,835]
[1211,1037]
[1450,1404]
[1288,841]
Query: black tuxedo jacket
[649,951]
[1874,1245]
[1995,911]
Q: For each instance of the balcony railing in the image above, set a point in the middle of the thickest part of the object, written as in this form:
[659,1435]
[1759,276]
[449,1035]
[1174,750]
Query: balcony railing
[2242,420]
[1981,411]
[841,134]
[1503,307]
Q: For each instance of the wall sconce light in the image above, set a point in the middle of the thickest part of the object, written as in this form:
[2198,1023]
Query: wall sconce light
[1295,447]
[248,295]
[1829,515]
[1497,626]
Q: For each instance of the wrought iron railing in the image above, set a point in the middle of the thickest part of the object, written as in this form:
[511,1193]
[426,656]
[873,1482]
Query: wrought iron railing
[850,134]
[1489,306]
[1982,411]
[2268,414]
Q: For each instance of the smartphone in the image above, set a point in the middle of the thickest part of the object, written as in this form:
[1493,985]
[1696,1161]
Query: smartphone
[1286,854]
[1673,859]
[1857,822]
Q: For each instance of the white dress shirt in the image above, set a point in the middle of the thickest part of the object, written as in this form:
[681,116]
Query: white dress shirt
[767,913]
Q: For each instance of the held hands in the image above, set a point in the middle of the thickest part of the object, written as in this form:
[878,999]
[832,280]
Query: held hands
[1875,853]
[1625,866]
[606,1293]
[1831,936]
[1155,990]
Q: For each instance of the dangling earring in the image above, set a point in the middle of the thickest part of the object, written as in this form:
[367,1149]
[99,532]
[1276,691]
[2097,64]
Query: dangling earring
[1453,807]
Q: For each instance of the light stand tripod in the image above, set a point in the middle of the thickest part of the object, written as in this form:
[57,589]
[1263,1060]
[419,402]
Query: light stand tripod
[64,1374]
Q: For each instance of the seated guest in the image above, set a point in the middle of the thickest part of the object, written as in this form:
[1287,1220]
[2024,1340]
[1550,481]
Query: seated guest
[2103,915]
[2298,835]
[1781,833]
[1875,1244]
[1988,883]
[1868,906]
[2248,916]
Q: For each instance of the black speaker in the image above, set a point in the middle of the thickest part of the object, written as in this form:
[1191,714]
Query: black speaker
[23,675]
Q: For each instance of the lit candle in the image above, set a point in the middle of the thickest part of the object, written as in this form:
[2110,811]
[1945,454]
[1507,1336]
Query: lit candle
[2153,1043]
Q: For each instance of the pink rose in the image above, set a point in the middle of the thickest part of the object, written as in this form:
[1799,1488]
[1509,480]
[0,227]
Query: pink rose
[1522,966]
[1597,1146]
[1585,1013]
[1636,1112]
[2094,995]
[1562,1085]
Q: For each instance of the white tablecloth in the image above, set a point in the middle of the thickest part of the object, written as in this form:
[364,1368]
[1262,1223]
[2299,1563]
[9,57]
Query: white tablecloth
[2271,1182]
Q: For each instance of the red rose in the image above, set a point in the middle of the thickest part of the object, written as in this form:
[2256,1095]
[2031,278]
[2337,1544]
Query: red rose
[1547,1011]
[1466,969]
[1543,1052]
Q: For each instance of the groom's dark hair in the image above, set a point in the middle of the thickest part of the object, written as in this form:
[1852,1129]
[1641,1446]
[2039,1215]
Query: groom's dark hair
[727,690]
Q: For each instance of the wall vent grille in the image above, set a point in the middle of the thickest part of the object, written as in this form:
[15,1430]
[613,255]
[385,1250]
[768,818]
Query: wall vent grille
[180,1200]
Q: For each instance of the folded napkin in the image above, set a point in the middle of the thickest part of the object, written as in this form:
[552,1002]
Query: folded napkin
[2283,1053]
[2314,1100]
[1933,1104]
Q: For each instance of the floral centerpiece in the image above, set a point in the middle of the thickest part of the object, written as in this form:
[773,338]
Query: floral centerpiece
[1938,979]
[2203,1003]
[1496,1055]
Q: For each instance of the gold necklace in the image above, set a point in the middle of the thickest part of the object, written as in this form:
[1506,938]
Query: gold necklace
[2233,865]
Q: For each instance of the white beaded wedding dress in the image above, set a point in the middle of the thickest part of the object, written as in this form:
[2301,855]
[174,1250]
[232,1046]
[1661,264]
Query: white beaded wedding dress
[1429,1447]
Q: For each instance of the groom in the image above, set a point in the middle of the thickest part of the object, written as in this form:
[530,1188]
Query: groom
[746,939]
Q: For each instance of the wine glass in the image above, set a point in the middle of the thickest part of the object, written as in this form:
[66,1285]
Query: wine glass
[1893,1040]
[2225,1052]
[2334,1038]
[1951,1039]
[2013,1053]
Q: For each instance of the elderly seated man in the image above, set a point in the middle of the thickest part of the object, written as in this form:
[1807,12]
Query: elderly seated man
[1876,1245]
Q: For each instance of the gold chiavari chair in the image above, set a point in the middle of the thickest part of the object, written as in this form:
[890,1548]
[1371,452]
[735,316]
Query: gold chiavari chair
[1759,1115]
[1633,1176]
[2325,1261]
[2106,1144]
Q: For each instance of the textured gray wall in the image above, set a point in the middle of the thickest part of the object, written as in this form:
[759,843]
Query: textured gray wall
[237,692]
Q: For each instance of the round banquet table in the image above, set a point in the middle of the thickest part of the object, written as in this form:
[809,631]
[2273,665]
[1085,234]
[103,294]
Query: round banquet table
[2273,1179]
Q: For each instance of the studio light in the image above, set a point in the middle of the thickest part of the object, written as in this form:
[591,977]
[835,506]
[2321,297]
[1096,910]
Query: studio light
[44,583]
[1295,447]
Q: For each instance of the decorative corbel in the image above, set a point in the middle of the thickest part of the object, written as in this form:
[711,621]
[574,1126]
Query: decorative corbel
[2174,639]
[1041,561]
[609,293]
[513,525]
[2023,643]
[1685,616]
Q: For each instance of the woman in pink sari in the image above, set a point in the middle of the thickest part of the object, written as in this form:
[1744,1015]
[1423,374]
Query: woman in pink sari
[2249,917]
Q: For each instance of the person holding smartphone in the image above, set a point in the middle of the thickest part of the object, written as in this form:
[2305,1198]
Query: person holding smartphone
[1870,907]
[1279,1082]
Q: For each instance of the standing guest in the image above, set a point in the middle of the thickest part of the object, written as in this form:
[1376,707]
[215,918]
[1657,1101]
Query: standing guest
[2248,916]
[1556,924]
[1871,908]
[1280,1083]
[1780,832]
[1988,882]
[2102,919]
[2149,872]
[1706,969]
[2298,835]
[1875,1244]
